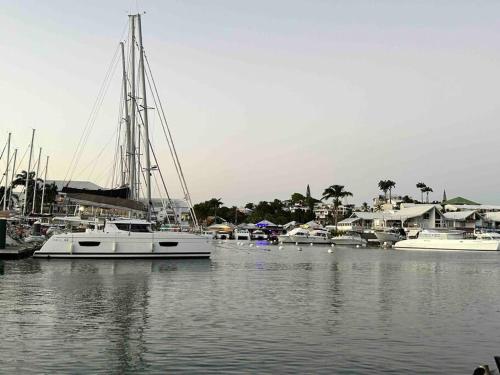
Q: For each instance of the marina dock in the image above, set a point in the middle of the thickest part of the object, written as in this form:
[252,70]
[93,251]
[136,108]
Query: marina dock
[16,252]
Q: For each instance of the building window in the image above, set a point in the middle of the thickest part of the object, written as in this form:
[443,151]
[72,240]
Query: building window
[426,216]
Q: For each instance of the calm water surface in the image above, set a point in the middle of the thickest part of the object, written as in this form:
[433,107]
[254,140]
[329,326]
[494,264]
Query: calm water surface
[253,310]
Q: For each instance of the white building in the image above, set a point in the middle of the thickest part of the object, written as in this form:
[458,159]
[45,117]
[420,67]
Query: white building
[412,216]
[322,212]
[465,220]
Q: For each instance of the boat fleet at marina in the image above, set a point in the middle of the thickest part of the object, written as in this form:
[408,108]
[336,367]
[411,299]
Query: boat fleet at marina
[396,238]
[133,235]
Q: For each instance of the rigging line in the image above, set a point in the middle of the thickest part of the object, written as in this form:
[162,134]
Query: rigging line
[157,165]
[80,152]
[161,197]
[166,124]
[117,148]
[176,158]
[91,115]
[9,187]
[4,147]
[104,171]
[10,161]
[163,182]
[166,136]
[93,162]
[94,106]
[22,159]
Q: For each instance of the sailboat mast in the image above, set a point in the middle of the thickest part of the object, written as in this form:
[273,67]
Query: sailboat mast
[132,170]
[128,147]
[12,177]
[146,127]
[36,177]
[44,182]
[28,173]
[6,173]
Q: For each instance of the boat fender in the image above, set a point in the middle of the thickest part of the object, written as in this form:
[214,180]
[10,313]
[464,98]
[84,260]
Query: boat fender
[311,244]
[330,251]
[299,248]
[296,244]
[357,246]
[333,245]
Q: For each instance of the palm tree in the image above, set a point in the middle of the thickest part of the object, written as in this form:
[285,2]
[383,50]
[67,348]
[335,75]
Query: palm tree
[20,180]
[421,186]
[390,185]
[364,207]
[382,185]
[427,190]
[336,192]
[215,203]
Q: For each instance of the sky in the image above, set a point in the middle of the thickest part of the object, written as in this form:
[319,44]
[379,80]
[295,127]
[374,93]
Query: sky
[265,97]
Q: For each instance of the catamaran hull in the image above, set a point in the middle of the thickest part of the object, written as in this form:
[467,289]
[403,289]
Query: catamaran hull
[118,245]
[431,244]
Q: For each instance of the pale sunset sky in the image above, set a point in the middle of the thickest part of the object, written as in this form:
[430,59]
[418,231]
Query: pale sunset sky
[265,97]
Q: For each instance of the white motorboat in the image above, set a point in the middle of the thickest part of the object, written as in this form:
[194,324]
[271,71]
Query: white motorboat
[222,235]
[390,235]
[210,234]
[447,240]
[300,235]
[125,238]
[242,235]
[259,235]
[487,235]
[350,239]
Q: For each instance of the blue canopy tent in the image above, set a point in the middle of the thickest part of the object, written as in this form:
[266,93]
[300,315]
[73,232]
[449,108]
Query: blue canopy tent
[265,224]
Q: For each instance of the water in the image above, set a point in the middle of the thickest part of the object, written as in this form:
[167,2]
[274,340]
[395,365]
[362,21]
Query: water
[253,310]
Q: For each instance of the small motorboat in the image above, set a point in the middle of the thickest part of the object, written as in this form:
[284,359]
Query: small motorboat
[259,235]
[390,235]
[349,239]
[303,236]
[242,235]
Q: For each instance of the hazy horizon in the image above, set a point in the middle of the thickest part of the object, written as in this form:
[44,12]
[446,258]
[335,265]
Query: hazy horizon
[265,98]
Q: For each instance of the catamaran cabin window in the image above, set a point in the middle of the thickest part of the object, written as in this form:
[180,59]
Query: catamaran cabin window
[133,227]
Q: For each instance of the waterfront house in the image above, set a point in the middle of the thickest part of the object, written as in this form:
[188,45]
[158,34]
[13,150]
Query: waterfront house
[466,220]
[492,219]
[322,212]
[409,216]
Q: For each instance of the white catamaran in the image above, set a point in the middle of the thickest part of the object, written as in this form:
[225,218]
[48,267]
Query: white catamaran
[132,237]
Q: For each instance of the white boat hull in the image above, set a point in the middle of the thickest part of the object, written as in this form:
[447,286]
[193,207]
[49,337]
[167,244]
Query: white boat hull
[348,241]
[436,244]
[304,239]
[126,245]
[387,237]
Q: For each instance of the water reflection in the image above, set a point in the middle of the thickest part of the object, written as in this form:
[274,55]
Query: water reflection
[121,266]
[252,311]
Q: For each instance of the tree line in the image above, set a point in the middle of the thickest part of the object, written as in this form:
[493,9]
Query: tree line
[281,212]
[20,180]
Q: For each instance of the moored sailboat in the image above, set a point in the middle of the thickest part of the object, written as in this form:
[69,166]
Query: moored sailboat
[132,237]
